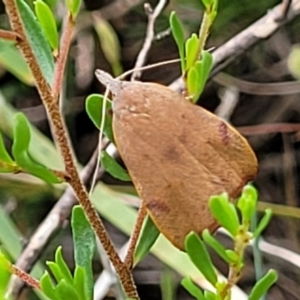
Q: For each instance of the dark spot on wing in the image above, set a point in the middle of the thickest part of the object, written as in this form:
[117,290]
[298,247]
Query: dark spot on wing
[156,207]
[223,131]
[172,153]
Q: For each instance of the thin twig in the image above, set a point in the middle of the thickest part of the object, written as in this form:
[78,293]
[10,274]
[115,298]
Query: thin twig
[101,136]
[31,281]
[285,8]
[229,97]
[258,88]
[268,128]
[65,41]
[135,235]
[9,35]
[152,16]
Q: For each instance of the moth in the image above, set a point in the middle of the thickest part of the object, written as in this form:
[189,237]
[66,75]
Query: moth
[178,155]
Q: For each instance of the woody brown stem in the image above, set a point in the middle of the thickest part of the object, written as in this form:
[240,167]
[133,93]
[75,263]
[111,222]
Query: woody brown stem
[9,35]
[59,129]
[65,42]
[34,283]
[135,235]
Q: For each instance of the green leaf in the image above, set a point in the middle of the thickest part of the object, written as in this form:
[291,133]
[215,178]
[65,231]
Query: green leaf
[84,246]
[263,223]
[216,245]
[191,51]
[148,235]
[113,168]
[293,61]
[193,82]
[215,7]
[263,285]
[79,283]
[178,34]
[225,213]
[109,43]
[199,255]
[233,257]
[12,61]
[37,40]
[207,3]
[41,148]
[47,286]
[47,22]
[4,274]
[7,165]
[212,16]
[66,291]
[64,269]
[33,168]
[247,203]
[4,156]
[55,270]
[204,70]
[192,288]
[22,136]
[73,6]
[93,106]
[210,295]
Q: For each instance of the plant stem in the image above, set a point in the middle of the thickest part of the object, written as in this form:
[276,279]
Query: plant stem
[240,243]
[58,125]
[65,42]
[135,235]
[203,34]
[9,35]
[34,283]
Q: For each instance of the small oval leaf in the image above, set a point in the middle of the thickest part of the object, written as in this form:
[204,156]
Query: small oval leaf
[148,235]
[191,51]
[47,287]
[93,106]
[12,61]
[192,288]
[113,168]
[4,156]
[215,244]
[84,247]
[225,213]
[80,283]
[263,222]
[199,255]
[263,285]
[178,34]
[247,203]
[63,267]
[21,134]
[47,21]
[66,291]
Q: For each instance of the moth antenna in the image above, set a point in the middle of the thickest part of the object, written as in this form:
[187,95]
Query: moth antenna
[155,65]
[100,139]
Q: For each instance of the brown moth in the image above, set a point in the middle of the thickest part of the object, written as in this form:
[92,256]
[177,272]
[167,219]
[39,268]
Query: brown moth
[177,154]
